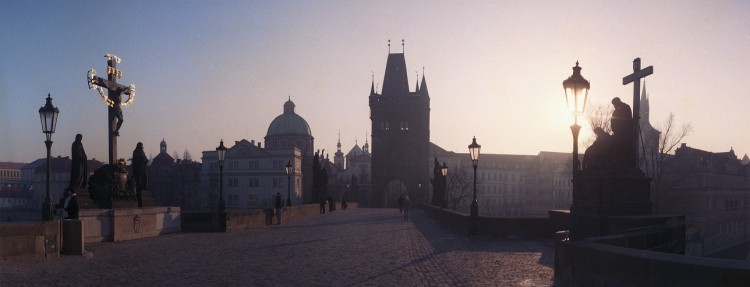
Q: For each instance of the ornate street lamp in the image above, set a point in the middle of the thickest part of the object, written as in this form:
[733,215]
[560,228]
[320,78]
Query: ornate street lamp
[48,115]
[474,152]
[221,151]
[576,95]
[288,168]
[444,172]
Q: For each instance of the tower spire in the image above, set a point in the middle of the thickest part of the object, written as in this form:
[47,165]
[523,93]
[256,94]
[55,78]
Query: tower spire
[389,46]
[423,90]
[402,46]
[416,90]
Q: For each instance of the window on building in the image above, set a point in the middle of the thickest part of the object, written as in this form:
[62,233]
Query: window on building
[278,182]
[384,126]
[253,182]
[404,125]
[253,164]
[233,182]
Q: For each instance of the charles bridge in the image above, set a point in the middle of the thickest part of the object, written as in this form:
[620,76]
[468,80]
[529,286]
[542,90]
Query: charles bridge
[352,247]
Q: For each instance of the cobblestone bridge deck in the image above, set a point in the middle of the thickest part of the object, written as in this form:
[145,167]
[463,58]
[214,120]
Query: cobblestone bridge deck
[355,247]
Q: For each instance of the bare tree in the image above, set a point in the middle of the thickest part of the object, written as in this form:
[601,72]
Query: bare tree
[186,155]
[660,160]
[458,187]
[599,116]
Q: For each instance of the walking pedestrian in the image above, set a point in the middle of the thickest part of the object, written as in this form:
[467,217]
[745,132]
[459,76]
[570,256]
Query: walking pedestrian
[279,205]
[401,203]
[407,207]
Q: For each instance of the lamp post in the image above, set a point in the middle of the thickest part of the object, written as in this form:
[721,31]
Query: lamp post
[444,186]
[576,94]
[288,169]
[474,152]
[48,116]
[221,151]
[419,191]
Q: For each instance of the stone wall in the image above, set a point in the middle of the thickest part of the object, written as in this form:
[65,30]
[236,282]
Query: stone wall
[247,219]
[579,263]
[129,223]
[493,226]
[29,241]
[145,222]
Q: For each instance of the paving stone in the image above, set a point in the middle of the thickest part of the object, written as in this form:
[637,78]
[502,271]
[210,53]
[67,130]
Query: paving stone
[353,247]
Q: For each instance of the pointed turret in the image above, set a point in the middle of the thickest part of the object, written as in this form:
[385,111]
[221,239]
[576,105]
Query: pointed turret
[416,89]
[423,91]
[372,88]
[395,81]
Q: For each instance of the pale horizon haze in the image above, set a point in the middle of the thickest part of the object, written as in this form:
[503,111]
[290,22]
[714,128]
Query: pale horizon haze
[211,70]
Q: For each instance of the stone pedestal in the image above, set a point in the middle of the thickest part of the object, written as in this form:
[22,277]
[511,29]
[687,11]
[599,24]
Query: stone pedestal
[612,194]
[72,237]
[606,203]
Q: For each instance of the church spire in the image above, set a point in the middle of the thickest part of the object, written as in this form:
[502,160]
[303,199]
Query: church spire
[644,103]
[372,86]
[338,145]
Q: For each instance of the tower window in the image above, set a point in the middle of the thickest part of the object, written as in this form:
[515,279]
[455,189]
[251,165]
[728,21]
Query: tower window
[404,126]
[384,126]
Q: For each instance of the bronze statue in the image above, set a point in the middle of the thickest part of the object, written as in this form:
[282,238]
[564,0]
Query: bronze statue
[79,169]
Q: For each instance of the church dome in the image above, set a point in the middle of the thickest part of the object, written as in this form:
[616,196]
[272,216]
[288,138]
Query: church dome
[289,123]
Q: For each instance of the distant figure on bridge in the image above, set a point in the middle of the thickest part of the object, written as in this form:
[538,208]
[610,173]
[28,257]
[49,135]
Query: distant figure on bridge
[322,205]
[406,205]
[278,205]
[401,203]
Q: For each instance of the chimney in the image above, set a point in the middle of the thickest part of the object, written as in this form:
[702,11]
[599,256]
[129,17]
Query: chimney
[259,145]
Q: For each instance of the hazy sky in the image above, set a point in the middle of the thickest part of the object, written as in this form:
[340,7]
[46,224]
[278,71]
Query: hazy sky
[207,70]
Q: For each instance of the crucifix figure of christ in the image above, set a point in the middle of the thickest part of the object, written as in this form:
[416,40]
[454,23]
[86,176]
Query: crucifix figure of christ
[113,99]
[635,78]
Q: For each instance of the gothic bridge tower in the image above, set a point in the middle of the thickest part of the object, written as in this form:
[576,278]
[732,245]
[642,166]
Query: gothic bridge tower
[400,137]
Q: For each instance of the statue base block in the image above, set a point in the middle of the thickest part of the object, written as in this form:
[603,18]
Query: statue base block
[612,194]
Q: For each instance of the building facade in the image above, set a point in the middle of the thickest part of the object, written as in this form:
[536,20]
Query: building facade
[712,190]
[174,182]
[252,176]
[400,137]
[508,185]
[349,175]
[290,131]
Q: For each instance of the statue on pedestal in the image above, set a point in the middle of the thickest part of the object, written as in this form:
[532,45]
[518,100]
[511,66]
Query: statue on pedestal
[79,167]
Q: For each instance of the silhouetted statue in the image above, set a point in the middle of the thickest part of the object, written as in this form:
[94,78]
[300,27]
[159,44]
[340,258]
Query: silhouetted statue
[438,185]
[117,109]
[79,170]
[622,132]
[597,156]
[139,171]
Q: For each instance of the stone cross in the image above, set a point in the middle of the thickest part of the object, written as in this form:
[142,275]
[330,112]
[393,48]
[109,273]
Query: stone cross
[635,78]
[113,99]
